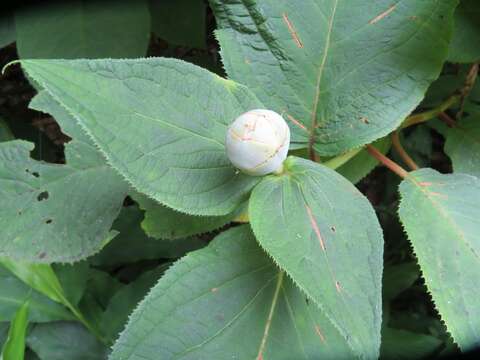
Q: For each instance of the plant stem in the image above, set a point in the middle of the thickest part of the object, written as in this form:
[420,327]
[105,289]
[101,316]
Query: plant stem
[393,166]
[401,151]
[447,119]
[85,322]
[430,114]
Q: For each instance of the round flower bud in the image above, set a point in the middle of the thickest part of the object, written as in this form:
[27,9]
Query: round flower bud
[257,142]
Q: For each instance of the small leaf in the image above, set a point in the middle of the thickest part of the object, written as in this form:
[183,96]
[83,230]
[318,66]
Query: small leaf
[14,292]
[180,22]
[125,300]
[463,146]
[83,29]
[324,233]
[465,44]
[164,223]
[160,122]
[132,244]
[228,301]
[441,216]
[5,132]
[343,74]
[14,347]
[40,277]
[400,344]
[73,279]
[63,340]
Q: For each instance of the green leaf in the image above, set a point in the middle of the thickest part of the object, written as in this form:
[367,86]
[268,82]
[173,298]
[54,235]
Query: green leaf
[462,145]
[165,223]
[132,244]
[324,233]
[7,29]
[83,29]
[441,216]
[344,74]
[101,286]
[73,279]
[228,301]
[42,218]
[363,163]
[14,292]
[400,344]
[5,132]
[65,340]
[398,278]
[180,22]
[14,347]
[125,301]
[160,122]
[465,44]
[40,277]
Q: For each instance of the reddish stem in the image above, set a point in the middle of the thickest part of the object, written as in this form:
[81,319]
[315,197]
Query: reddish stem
[393,166]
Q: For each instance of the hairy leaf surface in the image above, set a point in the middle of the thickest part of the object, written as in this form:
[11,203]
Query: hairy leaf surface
[344,73]
[324,233]
[441,216]
[228,301]
[160,122]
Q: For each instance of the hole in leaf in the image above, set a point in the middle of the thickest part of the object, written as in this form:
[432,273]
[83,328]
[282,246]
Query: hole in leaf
[48,221]
[333,229]
[42,196]
[34,173]
[42,255]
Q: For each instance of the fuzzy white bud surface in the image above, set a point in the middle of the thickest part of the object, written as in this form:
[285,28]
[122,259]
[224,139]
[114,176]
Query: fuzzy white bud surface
[257,142]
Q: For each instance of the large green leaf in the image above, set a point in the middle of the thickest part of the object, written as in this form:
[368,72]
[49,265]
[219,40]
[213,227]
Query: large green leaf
[83,29]
[180,22]
[463,146]
[324,233]
[465,45]
[164,223]
[160,122]
[14,347]
[344,73]
[63,340]
[14,292]
[43,217]
[441,216]
[228,301]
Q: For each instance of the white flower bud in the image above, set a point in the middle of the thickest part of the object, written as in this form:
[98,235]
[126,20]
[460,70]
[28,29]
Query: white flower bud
[257,142]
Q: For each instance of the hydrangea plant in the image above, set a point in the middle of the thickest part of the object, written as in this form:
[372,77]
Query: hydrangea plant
[314,93]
